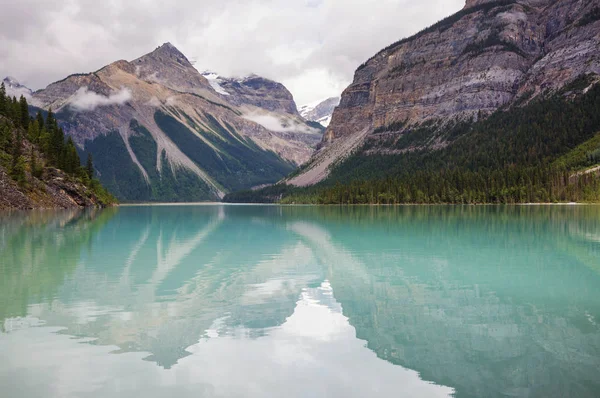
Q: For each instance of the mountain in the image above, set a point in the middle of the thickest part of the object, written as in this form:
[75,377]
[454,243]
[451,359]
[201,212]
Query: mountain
[159,130]
[320,111]
[492,56]
[16,89]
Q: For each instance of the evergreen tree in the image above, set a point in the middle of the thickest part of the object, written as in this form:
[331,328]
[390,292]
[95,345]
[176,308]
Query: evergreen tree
[23,112]
[5,137]
[17,162]
[50,120]
[89,168]
[33,132]
[40,119]
[70,159]
[2,99]
[13,110]
[36,169]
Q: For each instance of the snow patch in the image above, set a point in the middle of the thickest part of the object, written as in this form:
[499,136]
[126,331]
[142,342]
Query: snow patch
[16,89]
[215,82]
[325,121]
[85,100]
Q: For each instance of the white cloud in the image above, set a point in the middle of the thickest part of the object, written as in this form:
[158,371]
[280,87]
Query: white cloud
[279,124]
[85,100]
[155,102]
[18,92]
[311,46]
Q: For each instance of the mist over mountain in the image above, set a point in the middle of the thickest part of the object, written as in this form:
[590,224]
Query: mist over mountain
[159,130]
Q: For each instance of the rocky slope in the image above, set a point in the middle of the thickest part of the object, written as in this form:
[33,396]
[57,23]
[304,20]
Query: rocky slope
[52,189]
[160,130]
[320,111]
[55,190]
[490,55]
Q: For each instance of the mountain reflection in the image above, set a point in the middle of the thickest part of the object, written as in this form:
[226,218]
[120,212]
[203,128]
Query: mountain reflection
[491,301]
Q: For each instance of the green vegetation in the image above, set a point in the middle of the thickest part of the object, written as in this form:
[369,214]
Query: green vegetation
[118,172]
[43,137]
[238,164]
[168,185]
[582,157]
[523,154]
[316,125]
[394,126]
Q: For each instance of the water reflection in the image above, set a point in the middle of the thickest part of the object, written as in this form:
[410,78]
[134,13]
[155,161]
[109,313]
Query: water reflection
[267,301]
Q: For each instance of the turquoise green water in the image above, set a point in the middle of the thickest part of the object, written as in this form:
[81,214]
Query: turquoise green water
[258,301]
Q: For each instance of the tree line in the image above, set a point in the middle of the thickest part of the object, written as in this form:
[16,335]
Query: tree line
[44,140]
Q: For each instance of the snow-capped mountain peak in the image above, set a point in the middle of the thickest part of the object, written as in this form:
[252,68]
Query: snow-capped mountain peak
[319,111]
[16,89]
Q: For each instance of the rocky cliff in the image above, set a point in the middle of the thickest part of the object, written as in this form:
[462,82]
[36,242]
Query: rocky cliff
[491,54]
[160,130]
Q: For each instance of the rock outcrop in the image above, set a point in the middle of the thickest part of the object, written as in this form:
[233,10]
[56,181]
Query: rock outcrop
[489,55]
[55,190]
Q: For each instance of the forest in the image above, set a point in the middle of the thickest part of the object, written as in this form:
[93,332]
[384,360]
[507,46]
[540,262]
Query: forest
[29,145]
[538,152]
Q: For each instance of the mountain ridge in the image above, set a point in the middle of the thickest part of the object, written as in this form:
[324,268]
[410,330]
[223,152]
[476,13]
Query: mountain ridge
[490,55]
[154,109]
[320,111]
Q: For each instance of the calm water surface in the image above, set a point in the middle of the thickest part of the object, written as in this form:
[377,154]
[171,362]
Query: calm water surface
[252,301]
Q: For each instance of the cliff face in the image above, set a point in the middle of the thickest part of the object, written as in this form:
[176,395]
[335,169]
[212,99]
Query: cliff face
[260,92]
[489,55]
[160,130]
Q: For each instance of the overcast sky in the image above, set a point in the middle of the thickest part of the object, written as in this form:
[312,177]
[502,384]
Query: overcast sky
[311,46]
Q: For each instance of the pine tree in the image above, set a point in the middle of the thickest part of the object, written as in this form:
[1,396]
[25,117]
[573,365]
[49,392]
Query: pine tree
[89,168]
[40,119]
[70,159]
[33,132]
[2,99]
[13,109]
[36,169]
[24,112]
[18,163]
[5,137]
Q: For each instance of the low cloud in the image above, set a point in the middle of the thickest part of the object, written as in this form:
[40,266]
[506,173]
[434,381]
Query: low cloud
[85,100]
[313,47]
[155,102]
[18,92]
[279,124]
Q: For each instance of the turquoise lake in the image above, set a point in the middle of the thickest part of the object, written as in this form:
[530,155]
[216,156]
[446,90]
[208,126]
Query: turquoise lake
[269,301]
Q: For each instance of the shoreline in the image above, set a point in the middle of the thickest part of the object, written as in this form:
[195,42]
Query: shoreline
[166,204]
[207,204]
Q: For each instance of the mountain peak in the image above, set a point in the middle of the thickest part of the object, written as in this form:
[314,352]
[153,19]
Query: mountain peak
[9,80]
[168,51]
[15,88]
[168,66]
